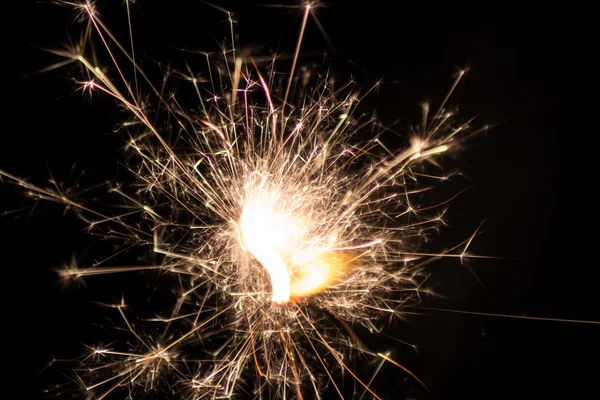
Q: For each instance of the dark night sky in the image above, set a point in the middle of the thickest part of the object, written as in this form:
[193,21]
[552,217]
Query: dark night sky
[532,76]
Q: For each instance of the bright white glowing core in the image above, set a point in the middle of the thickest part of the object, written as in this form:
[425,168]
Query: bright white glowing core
[283,244]
[267,235]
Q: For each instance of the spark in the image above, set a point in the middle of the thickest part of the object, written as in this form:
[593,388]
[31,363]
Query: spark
[279,230]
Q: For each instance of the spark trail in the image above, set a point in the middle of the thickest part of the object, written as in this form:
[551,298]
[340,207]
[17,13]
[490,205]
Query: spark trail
[277,227]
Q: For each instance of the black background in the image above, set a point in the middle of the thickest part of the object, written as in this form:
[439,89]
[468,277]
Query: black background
[531,75]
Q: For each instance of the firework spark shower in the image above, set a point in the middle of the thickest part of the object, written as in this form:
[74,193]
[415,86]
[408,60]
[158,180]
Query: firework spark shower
[268,205]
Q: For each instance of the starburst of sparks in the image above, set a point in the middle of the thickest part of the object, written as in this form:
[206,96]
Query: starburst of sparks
[277,227]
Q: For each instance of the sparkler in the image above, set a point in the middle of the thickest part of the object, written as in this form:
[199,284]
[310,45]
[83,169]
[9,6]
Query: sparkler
[277,227]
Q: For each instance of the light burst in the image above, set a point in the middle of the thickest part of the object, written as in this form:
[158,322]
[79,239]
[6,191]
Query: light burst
[278,226]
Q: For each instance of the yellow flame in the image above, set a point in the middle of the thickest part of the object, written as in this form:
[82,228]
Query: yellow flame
[316,274]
